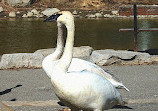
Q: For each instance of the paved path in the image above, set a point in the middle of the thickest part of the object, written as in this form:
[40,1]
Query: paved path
[33,86]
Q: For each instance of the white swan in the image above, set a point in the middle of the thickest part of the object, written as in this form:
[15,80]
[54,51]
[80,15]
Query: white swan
[78,90]
[79,64]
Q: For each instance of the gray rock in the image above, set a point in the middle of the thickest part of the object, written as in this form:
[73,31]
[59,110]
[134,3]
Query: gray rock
[18,2]
[83,51]
[35,12]
[29,14]
[38,15]
[109,56]
[12,14]
[18,12]
[91,16]
[41,15]
[99,58]
[98,15]
[115,12]
[25,16]
[21,60]
[74,12]
[50,11]
[1,9]
[107,15]
[110,16]
[154,58]
[45,52]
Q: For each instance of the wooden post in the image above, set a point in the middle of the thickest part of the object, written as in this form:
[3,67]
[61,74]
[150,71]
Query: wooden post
[135,27]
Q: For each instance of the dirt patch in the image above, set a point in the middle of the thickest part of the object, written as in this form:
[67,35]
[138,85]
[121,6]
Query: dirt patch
[78,4]
[93,4]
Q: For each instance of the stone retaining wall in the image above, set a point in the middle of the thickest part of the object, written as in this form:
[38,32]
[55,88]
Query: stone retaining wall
[127,10]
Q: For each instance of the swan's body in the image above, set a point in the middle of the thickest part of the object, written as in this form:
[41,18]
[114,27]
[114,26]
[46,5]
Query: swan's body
[78,89]
[79,64]
[87,91]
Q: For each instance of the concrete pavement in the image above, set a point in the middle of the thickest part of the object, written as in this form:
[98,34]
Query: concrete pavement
[33,85]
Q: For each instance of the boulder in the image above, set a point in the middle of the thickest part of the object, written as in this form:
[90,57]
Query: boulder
[91,16]
[21,60]
[1,9]
[12,14]
[50,11]
[74,12]
[35,12]
[18,12]
[115,12]
[107,15]
[98,15]
[29,14]
[109,56]
[154,58]
[18,2]
[38,15]
[45,52]
[83,51]
[25,16]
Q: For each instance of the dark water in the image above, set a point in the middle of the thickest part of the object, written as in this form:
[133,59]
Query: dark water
[29,35]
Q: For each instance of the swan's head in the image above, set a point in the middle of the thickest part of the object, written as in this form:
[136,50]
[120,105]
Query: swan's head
[64,17]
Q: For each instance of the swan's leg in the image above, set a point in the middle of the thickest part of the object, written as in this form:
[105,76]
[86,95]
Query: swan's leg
[121,102]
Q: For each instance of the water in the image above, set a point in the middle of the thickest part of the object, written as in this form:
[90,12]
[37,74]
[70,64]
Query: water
[29,35]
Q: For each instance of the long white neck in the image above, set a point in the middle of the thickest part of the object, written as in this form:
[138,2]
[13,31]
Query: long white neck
[68,51]
[50,59]
[60,43]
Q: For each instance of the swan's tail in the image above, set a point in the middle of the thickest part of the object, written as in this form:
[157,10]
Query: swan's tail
[114,80]
[124,87]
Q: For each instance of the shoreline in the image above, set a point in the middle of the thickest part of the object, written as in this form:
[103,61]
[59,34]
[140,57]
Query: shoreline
[78,13]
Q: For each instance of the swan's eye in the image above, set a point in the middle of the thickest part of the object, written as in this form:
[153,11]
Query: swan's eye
[52,18]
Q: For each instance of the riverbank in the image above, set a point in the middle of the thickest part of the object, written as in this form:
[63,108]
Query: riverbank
[36,13]
[41,11]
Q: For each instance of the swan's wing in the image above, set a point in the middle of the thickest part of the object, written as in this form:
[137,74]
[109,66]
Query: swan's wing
[118,83]
[80,65]
[112,75]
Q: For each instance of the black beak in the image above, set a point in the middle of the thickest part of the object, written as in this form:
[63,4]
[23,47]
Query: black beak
[52,18]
